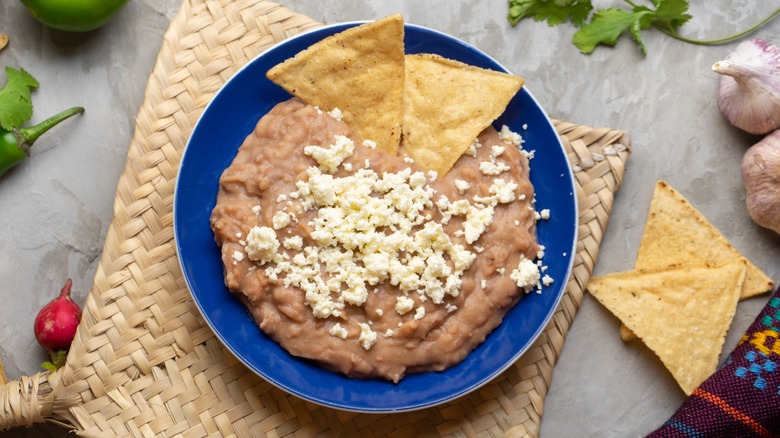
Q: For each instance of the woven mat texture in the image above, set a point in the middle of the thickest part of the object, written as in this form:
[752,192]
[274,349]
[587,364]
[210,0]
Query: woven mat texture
[144,362]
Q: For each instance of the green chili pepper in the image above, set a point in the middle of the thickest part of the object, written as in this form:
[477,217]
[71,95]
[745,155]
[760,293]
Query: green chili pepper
[15,144]
[74,15]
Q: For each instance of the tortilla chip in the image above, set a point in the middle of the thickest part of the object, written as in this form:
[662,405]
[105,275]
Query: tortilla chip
[677,233]
[682,314]
[447,104]
[360,71]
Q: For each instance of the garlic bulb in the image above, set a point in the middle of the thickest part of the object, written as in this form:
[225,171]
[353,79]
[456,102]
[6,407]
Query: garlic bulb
[749,91]
[761,177]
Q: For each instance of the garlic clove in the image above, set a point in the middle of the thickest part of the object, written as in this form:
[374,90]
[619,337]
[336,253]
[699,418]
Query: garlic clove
[749,88]
[761,177]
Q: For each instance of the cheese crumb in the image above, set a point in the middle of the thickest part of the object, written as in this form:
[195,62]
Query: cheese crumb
[526,275]
[369,144]
[238,256]
[336,114]
[261,244]
[462,185]
[490,168]
[419,313]
[403,304]
[477,221]
[293,242]
[367,336]
[338,331]
[330,158]
[509,136]
[280,220]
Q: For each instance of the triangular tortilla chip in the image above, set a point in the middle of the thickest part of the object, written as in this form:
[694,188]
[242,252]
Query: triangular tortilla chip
[682,314]
[677,233]
[360,71]
[447,104]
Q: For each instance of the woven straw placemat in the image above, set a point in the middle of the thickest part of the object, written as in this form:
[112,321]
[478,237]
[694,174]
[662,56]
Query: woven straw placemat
[144,362]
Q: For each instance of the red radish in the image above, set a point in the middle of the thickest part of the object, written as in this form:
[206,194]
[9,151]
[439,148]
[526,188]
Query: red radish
[55,325]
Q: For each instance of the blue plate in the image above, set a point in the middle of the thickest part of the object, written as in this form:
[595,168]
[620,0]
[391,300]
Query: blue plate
[232,115]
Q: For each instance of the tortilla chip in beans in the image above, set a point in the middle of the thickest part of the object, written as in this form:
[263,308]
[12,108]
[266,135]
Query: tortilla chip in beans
[447,104]
[360,71]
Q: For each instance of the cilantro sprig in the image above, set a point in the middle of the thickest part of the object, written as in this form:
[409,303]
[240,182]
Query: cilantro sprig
[606,26]
[15,98]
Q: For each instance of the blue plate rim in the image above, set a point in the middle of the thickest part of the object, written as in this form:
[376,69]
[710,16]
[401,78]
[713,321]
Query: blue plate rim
[476,385]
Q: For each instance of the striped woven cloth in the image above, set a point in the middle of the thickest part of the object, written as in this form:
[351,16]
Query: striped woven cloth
[742,399]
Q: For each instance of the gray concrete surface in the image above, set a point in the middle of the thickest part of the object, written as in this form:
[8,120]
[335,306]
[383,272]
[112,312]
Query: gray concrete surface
[57,205]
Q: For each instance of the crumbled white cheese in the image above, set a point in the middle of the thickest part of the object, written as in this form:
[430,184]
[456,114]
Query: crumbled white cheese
[461,185]
[280,220]
[526,275]
[369,144]
[338,331]
[336,114]
[472,149]
[238,256]
[477,221]
[371,229]
[256,209]
[403,304]
[491,168]
[261,244]
[367,336]
[330,158]
[293,242]
[508,136]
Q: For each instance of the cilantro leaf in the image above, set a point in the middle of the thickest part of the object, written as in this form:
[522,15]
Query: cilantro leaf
[671,14]
[554,12]
[606,27]
[15,98]
[608,24]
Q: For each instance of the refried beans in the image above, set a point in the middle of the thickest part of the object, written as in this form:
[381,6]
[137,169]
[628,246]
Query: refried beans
[376,334]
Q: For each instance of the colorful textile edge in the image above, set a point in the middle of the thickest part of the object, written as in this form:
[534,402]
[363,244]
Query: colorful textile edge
[742,399]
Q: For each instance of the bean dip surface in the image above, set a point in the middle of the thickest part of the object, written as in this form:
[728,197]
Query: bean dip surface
[373,322]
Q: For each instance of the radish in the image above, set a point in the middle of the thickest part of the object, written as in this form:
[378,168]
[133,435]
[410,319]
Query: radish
[55,326]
